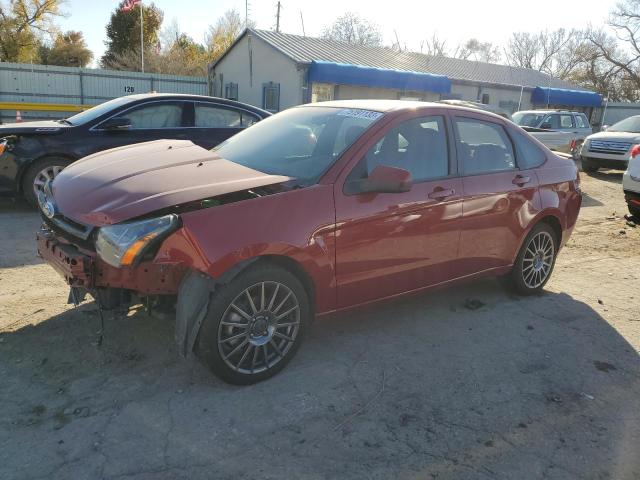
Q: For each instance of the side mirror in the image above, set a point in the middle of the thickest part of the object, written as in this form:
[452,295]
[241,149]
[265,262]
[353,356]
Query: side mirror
[384,179]
[546,126]
[116,123]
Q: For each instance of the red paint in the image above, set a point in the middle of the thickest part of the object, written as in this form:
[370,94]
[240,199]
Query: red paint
[355,249]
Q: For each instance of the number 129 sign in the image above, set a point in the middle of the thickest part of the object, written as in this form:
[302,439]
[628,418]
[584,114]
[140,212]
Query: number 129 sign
[129,89]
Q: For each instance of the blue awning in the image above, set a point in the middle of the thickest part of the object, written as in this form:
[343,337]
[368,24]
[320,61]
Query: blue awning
[561,96]
[345,74]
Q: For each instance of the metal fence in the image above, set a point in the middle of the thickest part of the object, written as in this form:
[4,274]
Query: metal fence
[29,84]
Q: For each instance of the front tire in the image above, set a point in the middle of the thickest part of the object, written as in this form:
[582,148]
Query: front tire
[589,167]
[38,174]
[254,325]
[535,261]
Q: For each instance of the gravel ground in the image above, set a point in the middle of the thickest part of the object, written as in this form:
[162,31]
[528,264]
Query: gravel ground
[435,386]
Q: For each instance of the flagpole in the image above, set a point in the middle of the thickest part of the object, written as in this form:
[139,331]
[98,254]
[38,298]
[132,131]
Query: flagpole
[141,38]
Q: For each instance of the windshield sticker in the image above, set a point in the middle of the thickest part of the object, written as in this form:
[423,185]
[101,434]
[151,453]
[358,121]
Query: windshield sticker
[358,113]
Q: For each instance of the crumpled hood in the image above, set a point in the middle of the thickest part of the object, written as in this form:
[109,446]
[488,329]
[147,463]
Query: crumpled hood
[127,182]
[615,137]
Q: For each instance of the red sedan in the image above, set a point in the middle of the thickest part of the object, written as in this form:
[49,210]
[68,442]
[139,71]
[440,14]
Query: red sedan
[319,208]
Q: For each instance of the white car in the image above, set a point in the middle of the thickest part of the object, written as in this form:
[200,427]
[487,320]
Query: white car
[631,182]
[612,147]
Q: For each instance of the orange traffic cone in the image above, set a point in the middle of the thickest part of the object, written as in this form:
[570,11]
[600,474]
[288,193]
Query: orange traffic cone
[18,116]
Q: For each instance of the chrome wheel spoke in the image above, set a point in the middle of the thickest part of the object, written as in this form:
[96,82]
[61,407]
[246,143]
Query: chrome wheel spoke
[234,337]
[277,309]
[254,310]
[291,310]
[238,347]
[244,355]
[241,312]
[276,348]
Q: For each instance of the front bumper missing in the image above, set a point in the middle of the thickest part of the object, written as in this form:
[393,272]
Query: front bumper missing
[75,267]
[85,270]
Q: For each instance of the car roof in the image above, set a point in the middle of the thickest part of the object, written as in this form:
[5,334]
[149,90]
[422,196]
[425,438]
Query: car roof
[549,110]
[385,106]
[187,96]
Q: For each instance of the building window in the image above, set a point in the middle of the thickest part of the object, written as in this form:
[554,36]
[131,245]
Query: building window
[321,92]
[231,91]
[271,96]
[485,98]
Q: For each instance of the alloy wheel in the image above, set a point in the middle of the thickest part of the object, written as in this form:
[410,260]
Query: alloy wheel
[259,327]
[43,176]
[538,260]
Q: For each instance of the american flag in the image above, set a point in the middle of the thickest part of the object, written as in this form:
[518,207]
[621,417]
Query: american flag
[128,5]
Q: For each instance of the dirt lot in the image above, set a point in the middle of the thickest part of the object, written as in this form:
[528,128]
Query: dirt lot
[544,387]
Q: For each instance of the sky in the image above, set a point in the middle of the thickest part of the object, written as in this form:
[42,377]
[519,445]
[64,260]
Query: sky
[412,21]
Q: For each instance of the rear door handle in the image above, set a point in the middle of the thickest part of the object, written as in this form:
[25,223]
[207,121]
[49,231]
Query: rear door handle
[521,180]
[441,193]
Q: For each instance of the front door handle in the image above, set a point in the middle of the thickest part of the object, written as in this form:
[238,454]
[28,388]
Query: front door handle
[441,193]
[521,180]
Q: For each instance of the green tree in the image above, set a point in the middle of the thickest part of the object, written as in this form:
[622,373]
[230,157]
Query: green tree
[22,24]
[123,33]
[68,50]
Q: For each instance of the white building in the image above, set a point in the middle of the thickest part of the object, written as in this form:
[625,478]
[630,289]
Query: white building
[276,71]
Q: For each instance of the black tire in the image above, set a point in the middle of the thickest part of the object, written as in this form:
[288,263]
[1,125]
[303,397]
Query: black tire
[634,211]
[33,172]
[215,345]
[589,167]
[524,267]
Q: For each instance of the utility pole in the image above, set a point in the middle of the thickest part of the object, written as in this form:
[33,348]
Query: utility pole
[302,20]
[278,18]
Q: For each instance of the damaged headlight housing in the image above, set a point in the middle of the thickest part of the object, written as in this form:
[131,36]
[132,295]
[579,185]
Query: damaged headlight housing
[124,244]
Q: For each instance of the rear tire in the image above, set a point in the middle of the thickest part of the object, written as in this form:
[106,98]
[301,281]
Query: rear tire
[254,325]
[589,167]
[38,173]
[535,261]
[634,211]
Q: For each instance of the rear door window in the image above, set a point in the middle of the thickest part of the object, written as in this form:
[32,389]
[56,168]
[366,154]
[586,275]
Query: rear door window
[483,147]
[566,121]
[529,155]
[213,116]
[581,121]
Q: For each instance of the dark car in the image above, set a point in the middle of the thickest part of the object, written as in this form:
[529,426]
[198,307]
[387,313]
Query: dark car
[33,152]
[319,208]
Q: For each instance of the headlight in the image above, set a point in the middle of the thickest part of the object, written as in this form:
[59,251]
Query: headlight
[125,244]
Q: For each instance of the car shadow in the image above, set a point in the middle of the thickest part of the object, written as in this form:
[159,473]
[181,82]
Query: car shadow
[465,383]
[18,225]
[613,176]
[589,201]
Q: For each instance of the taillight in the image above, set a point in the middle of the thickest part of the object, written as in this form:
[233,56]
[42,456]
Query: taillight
[635,151]
[574,145]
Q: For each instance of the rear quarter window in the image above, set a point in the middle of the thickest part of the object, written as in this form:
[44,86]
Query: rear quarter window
[528,154]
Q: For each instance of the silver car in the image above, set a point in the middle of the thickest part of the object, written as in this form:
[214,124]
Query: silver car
[611,148]
[575,123]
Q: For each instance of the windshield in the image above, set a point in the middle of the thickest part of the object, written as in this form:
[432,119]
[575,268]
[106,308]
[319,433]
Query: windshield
[300,142]
[631,125]
[97,111]
[528,119]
